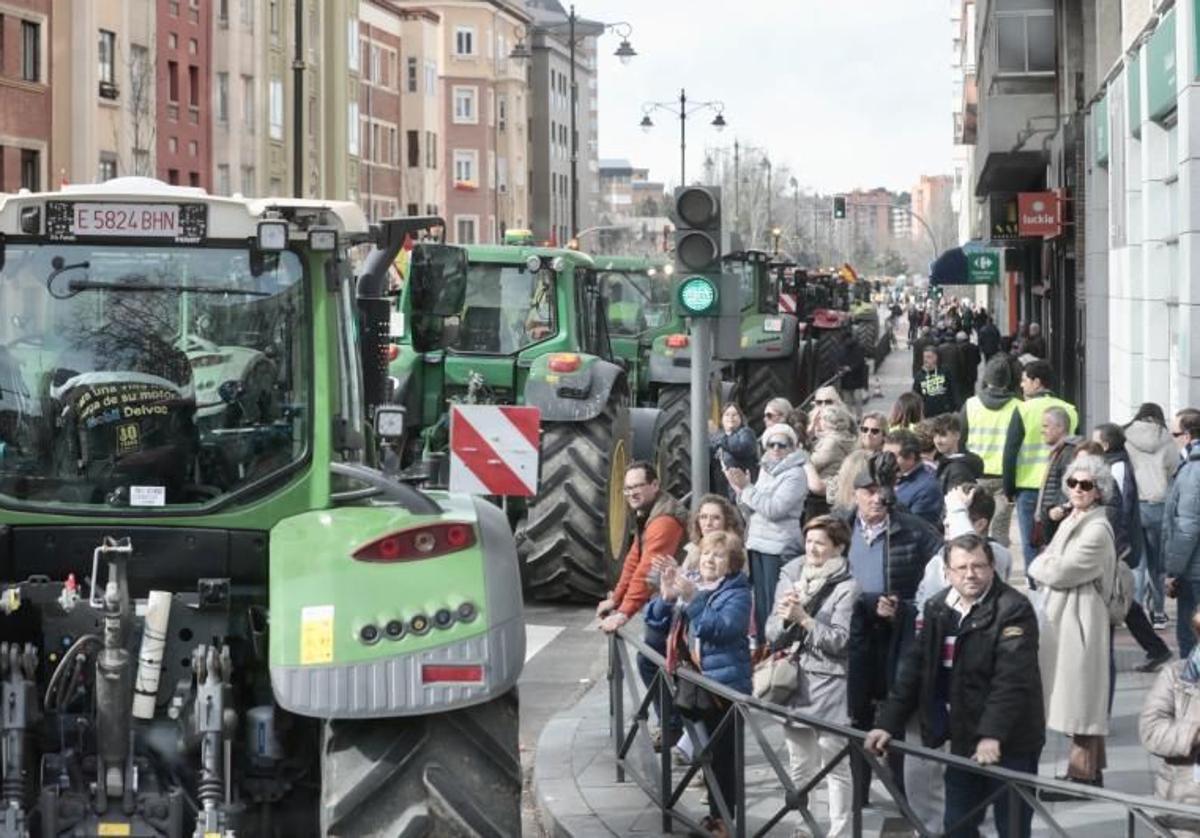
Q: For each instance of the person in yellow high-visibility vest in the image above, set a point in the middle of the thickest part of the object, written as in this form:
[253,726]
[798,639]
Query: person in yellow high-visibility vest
[985,421]
[1026,455]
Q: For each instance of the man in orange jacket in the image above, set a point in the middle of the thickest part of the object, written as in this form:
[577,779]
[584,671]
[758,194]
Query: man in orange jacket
[660,524]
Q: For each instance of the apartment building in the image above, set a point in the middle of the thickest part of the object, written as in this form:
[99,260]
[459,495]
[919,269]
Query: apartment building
[238,63]
[25,81]
[104,89]
[379,109]
[183,112]
[422,112]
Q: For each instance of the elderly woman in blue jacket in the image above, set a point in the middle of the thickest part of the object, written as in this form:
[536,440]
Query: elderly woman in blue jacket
[715,614]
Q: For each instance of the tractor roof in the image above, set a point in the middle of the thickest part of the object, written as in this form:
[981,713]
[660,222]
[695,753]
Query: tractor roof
[629,263]
[228,218]
[507,254]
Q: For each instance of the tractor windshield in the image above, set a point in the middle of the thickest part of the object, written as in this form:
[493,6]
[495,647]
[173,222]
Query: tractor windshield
[505,309]
[637,302]
[148,376]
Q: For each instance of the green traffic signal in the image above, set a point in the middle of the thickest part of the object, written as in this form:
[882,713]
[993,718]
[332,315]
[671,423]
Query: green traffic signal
[698,296]
[839,207]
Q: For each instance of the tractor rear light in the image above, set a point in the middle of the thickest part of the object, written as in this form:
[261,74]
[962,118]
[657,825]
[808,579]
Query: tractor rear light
[420,543]
[677,341]
[443,618]
[467,612]
[565,362]
[394,629]
[393,352]
[452,673]
[368,634]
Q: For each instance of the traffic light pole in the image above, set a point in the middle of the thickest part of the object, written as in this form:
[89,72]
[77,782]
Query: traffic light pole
[702,350]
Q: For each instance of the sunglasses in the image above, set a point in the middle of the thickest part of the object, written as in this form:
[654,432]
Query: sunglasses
[868,430]
[1178,434]
[823,402]
[779,446]
[1082,485]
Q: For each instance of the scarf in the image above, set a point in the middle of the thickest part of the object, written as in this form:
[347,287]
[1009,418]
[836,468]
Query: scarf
[1191,667]
[813,578]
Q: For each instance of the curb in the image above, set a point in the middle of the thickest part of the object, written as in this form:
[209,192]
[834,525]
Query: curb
[561,807]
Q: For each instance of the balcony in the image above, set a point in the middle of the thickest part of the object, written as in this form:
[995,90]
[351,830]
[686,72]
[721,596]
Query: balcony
[1008,159]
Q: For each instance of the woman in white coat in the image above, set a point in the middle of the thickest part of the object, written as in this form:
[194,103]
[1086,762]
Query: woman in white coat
[1076,576]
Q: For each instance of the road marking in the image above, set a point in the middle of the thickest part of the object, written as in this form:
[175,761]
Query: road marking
[538,638]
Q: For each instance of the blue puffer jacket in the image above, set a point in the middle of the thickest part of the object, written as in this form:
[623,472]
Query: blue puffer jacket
[1181,520]
[720,620]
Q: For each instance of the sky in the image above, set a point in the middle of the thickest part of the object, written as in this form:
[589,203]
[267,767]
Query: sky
[849,93]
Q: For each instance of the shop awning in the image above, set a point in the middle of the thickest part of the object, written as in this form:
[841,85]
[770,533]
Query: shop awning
[971,264]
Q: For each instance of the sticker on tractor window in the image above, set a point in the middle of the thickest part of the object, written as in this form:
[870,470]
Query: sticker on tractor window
[128,438]
[316,634]
[114,829]
[147,496]
[773,324]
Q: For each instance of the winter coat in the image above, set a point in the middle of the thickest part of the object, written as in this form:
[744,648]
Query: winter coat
[827,456]
[995,690]
[956,469]
[1051,494]
[921,494]
[989,339]
[853,358]
[1181,520]
[1076,572]
[716,624]
[1168,725]
[938,389]
[662,534]
[774,504]
[738,449]
[1154,457]
[1126,518]
[825,652]
[971,359]
[1034,346]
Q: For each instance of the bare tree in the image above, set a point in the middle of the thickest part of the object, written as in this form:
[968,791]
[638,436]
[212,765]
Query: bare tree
[139,110]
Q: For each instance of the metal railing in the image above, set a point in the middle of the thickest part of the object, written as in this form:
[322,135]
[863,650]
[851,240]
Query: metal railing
[746,714]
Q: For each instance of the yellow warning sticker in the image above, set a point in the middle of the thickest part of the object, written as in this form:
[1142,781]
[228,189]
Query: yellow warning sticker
[316,634]
[115,829]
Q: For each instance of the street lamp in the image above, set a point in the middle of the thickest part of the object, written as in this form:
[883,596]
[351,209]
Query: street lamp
[766,162]
[684,112]
[625,52]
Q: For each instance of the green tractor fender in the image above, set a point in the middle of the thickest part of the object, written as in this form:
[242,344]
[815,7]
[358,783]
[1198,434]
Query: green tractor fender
[571,387]
[768,336]
[669,365]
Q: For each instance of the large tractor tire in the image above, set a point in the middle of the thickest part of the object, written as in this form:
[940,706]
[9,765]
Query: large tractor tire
[826,351]
[866,329]
[574,532]
[766,380]
[675,407]
[449,775]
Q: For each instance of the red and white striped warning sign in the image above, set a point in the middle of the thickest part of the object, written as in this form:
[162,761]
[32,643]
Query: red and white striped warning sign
[494,449]
[787,303]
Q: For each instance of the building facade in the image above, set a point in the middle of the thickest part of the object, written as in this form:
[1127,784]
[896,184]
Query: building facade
[25,117]
[183,106]
[239,63]
[379,109]
[422,112]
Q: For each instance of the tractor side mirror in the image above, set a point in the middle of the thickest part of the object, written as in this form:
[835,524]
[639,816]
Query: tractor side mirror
[438,278]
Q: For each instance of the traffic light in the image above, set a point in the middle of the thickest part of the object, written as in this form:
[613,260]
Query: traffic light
[697,218]
[839,207]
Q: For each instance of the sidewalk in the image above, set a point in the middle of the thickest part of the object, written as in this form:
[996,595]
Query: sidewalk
[575,769]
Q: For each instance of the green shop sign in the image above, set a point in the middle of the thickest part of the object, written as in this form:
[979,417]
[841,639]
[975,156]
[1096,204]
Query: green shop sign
[1133,84]
[983,267]
[1100,126]
[1160,69]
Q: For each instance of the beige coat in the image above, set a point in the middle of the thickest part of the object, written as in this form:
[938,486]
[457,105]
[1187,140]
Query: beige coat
[1074,577]
[1168,726]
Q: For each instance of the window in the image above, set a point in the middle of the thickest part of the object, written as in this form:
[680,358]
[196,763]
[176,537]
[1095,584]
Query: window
[141,162]
[393,147]
[430,150]
[464,41]
[223,97]
[376,65]
[431,78]
[193,178]
[193,85]
[248,104]
[173,81]
[193,46]
[31,170]
[502,111]
[31,53]
[223,184]
[353,128]
[107,52]
[465,226]
[248,13]
[502,174]
[273,19]
[491,107]
[173,177]
[1024,37]
[374,152]
[223,12]
[107,169]
[353,56]
[276,101]
[466,162]
[412,75]
[464,105]
[413,209]
[248,180]
[193,148]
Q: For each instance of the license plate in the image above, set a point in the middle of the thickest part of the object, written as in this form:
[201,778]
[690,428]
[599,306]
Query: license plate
[773,324]
[68,221]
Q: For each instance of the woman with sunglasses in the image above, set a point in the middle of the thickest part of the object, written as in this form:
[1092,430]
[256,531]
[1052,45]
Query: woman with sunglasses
[871,430]
[773,505]
[776,411]
[1076,572]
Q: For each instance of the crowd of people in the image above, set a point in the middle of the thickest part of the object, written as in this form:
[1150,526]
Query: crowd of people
[860,571]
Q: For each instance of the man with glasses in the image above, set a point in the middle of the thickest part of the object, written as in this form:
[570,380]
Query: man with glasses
[1181,528]
[871,432]
[660,522]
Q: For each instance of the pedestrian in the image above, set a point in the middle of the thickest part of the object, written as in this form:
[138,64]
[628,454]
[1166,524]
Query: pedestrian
[955,466]
[1169,727]
[659,525]
[1077,572]
[917,485]
[1154,458]
[972,677]
[1053,503]
[935,385]
[925,339]
[871,430]
[834,439]
[1181,527]
[1035,344]
[814,603]
[776,410]
[773,505]
[924,434]
[852,361]
[714,514]
[711,639]
[889,548]
[989,337]
[970,357]
[908,410]
[733,445]
[1026,455]
[843,484]
[985,420]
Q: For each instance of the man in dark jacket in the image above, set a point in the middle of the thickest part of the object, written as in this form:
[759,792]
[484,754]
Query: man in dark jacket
[917,486]
[970,364]
[954,465]
[989,337]
[973,678]
[1053,504]
[924,339]
[852,361]
[935,385]
[1035,344]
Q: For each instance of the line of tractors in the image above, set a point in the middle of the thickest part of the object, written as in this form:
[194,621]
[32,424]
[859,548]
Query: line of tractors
[593,341]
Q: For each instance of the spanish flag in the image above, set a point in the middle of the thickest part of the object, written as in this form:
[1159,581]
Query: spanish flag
[401,262]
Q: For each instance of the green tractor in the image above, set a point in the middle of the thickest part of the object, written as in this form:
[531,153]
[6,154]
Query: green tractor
[218,617]
[518,325]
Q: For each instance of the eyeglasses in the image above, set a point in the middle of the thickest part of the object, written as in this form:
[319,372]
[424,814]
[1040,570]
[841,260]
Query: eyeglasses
[779,446]
[770,415]
[1082,485]
[867,429]
[629,490]
[823,402]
